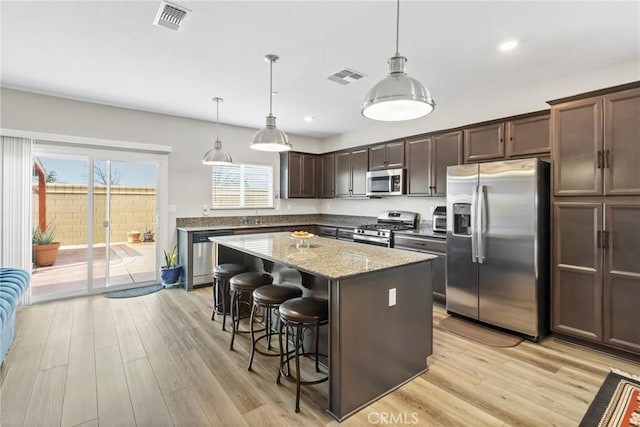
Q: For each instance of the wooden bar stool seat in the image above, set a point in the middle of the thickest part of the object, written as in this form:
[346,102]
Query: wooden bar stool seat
[299,314]
[241,286]
[268,298]
[222,273]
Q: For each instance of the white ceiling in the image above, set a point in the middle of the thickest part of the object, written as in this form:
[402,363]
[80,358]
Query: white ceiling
[109,52]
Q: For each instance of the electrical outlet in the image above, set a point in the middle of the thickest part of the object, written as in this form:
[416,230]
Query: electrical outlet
[392,297]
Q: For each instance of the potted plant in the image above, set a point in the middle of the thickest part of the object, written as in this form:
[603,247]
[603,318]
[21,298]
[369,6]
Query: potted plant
[170,272]
[133,236]
[148,234]
[45,248]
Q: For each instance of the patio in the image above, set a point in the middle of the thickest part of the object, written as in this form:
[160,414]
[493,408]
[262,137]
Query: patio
[130,263]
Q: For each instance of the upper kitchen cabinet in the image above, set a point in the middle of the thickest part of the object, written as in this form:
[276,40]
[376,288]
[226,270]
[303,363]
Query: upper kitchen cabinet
[351,173]
[325,176]
[386,156]
[427,161]
[596,144]
[517,137]
[297,175]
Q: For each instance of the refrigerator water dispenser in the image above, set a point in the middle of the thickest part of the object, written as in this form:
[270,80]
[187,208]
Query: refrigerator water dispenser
[462,219]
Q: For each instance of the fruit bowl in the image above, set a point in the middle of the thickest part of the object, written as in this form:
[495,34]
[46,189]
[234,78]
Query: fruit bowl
[302,239]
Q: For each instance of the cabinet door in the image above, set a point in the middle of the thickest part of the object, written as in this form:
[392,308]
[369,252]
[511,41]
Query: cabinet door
[484,143]
[577,270]
[343,174]
[622,143]
[308,189]
[622,275]
[326,180]
[528,136]
[378,157]
[576,136]
[446,150]
[294,175]
[395,154]
[359,163]
[418,173]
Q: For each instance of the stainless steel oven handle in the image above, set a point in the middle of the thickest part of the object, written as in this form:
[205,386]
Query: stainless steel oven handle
[474,237]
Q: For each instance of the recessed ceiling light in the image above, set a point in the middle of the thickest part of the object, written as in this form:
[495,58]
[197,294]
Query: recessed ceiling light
[308,118]
[508,45]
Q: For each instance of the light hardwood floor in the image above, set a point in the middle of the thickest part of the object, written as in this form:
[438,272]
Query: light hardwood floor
[159,360]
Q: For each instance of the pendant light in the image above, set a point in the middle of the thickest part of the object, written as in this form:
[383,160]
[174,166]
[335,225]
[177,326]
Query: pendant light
[397,97]
[270,138]
[216,155]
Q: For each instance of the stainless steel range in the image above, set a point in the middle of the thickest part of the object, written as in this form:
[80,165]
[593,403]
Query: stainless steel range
[381,233]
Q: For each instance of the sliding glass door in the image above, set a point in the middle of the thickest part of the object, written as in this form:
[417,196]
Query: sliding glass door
[103,207]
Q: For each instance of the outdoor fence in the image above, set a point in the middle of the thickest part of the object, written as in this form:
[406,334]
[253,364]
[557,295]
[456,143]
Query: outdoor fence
[131,209]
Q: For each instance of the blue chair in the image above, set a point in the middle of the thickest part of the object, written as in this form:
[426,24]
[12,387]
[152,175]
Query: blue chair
[13,283]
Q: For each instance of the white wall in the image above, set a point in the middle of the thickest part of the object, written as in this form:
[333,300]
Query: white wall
[189,180]
[506,99]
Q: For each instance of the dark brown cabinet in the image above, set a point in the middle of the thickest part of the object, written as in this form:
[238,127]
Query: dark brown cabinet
[526,136]
[596,277]
[297,175]
[387,156]
[325,176]
[597,145]
[427,162]
[351,173]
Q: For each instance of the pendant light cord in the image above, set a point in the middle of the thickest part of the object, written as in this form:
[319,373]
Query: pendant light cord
[397,27]
[217,119]
[270,87]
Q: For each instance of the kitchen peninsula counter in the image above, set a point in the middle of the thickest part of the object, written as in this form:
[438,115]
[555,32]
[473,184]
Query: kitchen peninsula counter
[380,308]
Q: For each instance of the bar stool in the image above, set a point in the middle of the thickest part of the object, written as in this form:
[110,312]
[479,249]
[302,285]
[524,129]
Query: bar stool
[269,298]
[242,285]
[222,273]
[301,313]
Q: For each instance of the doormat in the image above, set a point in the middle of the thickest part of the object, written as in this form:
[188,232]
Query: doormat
[617,402]
[479,333]
[135,292]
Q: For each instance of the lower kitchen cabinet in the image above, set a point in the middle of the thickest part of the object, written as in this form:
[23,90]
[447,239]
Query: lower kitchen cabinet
[596,277]
[434,246]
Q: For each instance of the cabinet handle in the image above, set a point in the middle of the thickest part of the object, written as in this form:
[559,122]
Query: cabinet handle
[605,240]
[606,158]
[600,159]
[599,239]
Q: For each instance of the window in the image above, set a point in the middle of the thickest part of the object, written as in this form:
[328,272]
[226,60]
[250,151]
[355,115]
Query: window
[241,186]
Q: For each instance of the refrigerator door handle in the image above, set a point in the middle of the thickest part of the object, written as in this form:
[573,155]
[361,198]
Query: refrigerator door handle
[474,225]
[481,224]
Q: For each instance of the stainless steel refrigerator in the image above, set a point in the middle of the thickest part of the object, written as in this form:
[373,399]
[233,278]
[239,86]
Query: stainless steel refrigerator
[498,244]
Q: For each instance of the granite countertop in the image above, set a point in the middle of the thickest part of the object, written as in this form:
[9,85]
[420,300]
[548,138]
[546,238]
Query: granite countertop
[330,258]
[262,225]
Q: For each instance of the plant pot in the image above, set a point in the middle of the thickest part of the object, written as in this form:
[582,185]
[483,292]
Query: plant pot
[45,255]
[170,275]
[148,237]
[133,237]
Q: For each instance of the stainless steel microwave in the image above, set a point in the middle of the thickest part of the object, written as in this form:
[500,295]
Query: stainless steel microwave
[387,182]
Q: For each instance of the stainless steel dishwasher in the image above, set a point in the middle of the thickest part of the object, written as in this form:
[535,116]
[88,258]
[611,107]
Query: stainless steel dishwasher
[196,254]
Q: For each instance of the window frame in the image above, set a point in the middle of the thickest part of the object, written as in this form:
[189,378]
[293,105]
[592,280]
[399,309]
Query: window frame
[242,187]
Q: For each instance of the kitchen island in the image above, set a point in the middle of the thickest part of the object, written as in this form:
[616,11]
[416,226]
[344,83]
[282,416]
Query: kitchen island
[380,307]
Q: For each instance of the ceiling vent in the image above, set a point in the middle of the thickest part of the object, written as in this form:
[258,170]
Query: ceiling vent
[170,15]
[346,76]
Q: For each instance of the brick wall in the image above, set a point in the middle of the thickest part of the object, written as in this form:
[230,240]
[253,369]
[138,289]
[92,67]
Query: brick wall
[132,209]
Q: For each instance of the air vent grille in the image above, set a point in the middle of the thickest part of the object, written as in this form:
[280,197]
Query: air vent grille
[346,76]
[171,15]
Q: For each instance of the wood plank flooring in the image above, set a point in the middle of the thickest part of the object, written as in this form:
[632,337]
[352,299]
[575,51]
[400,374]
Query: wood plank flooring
[158,360]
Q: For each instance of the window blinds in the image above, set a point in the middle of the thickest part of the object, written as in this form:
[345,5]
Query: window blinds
[241,186]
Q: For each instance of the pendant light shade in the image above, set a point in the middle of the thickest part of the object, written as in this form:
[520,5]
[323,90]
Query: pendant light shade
[270,138]
[216,154]
[397,97]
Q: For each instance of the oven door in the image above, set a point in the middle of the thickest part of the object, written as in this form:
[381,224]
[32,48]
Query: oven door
[371,240]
